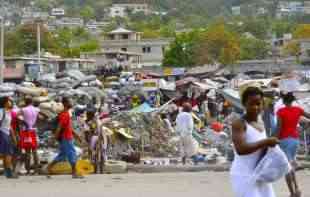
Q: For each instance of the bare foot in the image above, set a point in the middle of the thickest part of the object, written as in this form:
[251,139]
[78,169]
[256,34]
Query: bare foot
[298,193]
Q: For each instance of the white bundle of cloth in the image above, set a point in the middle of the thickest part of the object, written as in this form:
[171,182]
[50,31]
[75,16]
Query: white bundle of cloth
[272,167]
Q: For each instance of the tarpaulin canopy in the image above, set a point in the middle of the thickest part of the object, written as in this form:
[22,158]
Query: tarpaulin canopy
[232,96]
[144,108]
[186,81]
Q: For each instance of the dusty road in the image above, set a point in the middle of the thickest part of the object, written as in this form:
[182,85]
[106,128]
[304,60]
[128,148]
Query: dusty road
[206,184]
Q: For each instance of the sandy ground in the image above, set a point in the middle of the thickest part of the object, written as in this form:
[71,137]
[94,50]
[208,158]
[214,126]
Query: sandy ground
[203,184]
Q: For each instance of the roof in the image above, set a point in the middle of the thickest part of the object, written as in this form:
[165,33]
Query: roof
[186,81]
[121,30]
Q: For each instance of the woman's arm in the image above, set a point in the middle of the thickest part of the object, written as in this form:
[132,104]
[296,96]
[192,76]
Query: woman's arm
[307,115]
[244,148]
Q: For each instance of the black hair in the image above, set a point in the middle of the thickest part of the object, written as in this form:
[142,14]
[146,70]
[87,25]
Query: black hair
[67,102]
[187,107]
[288,98]
[28,101]
[3,101]
[251,91]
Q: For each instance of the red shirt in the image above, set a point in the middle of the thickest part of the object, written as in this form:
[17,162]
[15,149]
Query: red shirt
[289,117]
[64,121]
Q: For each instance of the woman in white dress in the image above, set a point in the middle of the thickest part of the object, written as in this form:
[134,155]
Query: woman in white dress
[250,142]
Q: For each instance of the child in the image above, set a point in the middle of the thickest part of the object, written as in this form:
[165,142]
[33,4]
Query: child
[96,139]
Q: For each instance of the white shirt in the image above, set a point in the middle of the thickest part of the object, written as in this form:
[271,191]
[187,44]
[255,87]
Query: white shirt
[6,123]
[185,124]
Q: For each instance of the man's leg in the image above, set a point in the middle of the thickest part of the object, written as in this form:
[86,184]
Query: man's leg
[28,161]
[296,187]
[72,157]
[8,167]
[60,157]
[36,161]
[290,184]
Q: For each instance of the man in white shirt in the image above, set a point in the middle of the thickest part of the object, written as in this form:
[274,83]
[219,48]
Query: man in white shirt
[185,127]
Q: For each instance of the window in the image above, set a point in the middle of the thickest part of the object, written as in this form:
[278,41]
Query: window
[125,36]
[146,50]
[123,49]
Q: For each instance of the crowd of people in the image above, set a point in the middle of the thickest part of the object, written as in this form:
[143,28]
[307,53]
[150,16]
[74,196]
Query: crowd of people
[19,140]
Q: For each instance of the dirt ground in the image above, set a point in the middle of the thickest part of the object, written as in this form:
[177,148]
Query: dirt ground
[200,184]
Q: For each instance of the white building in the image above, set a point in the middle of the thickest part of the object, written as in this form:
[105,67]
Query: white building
[122,9]
[307,7]
[58,12]
[69,22]
[30,17]
[236,10]
[95,27]
[117,12]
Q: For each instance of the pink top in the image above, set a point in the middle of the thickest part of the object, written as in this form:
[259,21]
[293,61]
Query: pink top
[30,114]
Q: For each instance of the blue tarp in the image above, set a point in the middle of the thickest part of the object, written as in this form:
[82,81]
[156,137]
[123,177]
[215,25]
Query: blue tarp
[144,108]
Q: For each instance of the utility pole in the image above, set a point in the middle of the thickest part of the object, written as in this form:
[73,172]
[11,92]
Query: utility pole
[2,50]
[39,42]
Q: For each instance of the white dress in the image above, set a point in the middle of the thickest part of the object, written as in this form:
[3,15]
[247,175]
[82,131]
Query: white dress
[243,168]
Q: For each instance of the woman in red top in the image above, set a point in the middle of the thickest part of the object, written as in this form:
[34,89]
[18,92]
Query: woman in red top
[288,119]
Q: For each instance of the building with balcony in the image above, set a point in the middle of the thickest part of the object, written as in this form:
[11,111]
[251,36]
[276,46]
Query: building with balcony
[151,50]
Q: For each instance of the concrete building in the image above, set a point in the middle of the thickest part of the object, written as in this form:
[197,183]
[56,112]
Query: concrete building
[69,22]
[307,7]
[305,47]
[58,12]
[117,12]
[236,10]
[95,27]
[16,68]
[30,17]
[122,9]
[287,8]
[114,58]
[121,39]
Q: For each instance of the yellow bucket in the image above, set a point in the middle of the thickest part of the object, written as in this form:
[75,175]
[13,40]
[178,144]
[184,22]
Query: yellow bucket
[84,167]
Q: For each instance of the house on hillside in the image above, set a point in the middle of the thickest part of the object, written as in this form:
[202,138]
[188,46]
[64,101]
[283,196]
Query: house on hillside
[151,50]
[68,22]
[122,9]
[58,12]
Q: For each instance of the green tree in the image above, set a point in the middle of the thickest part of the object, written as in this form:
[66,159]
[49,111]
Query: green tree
[23,41]
[252,48]
[293,49]
[71,42]
[44,5]
[87,13]
[258,27]
[302,31]
[218,44]
[181,51]
[280,27]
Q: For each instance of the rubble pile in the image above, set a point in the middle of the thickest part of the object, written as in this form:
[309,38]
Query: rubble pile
[149,131]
